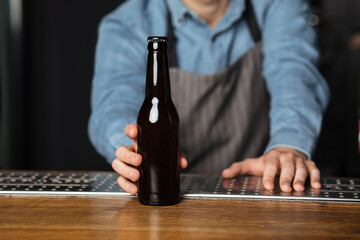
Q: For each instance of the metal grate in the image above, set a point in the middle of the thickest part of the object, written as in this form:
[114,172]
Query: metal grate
[59,183]
[333,189]
[192,186]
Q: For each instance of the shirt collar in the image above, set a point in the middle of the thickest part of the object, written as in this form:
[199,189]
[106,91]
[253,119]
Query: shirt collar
[179,12]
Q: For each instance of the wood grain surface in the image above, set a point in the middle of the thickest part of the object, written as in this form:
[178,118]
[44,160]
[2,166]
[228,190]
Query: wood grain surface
[125,218]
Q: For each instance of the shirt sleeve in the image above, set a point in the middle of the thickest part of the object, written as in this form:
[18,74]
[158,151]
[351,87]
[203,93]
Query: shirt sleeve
[118,85]
[299,94]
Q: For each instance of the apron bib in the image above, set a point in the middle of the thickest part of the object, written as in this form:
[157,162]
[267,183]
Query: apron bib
[224,117]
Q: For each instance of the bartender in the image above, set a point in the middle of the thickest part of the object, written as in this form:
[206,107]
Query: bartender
[244,81]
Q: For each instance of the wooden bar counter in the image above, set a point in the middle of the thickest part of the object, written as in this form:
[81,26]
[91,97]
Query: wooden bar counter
[36,217]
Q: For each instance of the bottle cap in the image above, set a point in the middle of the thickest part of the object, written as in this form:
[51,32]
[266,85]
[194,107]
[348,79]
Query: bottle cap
[157,39]
[156,43]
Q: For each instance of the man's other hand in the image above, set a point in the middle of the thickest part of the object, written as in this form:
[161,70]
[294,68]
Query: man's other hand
[292,165]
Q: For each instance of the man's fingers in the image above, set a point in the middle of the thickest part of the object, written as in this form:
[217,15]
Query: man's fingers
[270,169]
[300,175]
[314,174]
[127,154]
[232,171]
[131,131]
[183,162]
[237,168]
[127,186]
[125,170]
[287,161]
[291,164]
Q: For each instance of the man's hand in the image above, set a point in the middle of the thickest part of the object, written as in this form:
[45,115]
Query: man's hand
[292,165]
[127,159]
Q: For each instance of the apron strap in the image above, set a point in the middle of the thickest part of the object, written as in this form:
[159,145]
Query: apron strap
[171,38]
[252,22]
[248,14]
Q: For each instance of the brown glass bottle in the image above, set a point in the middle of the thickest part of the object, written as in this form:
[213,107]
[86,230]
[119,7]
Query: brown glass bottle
[158,139]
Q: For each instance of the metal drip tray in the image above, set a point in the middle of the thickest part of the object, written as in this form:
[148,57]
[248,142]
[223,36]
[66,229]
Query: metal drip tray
[192,186]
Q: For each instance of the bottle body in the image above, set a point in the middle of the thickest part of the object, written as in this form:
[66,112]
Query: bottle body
[158,138]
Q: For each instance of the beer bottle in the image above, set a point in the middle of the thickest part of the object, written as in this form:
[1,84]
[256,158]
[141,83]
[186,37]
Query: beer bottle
[158,141]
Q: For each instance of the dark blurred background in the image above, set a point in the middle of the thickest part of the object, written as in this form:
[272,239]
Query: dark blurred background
[46,67]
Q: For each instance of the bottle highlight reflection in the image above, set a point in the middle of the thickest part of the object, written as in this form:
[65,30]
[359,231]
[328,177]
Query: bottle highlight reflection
[158,141]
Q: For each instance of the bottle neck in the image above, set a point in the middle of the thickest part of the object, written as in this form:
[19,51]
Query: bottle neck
[157,76]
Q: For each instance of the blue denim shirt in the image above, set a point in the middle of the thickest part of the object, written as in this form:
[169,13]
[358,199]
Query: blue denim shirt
[299,94]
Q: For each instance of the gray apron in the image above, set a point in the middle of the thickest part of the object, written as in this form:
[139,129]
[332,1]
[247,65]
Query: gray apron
[224,117]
